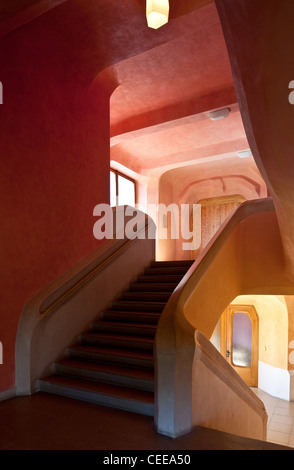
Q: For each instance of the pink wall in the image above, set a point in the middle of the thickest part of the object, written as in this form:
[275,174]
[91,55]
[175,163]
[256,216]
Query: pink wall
[54,169]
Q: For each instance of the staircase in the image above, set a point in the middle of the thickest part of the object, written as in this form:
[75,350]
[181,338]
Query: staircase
[113,362]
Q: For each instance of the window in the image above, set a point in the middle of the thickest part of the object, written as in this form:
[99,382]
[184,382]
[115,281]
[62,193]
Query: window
[122,189]
[242,339]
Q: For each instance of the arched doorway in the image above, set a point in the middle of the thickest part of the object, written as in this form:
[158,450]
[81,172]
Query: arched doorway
[274,375]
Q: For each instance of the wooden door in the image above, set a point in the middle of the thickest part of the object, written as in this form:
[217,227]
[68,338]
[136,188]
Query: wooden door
[214,212]
[239,341]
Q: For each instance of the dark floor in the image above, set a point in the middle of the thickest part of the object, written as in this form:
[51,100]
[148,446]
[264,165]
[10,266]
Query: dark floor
[48,422]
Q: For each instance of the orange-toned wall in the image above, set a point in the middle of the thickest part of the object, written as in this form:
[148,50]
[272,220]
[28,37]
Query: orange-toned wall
[262,70]
[231,176]
[273,327]
[54,158]
[289,299]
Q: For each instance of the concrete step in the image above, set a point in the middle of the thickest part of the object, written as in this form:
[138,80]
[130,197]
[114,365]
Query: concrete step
[170,270]
[138,401]
[143,306]
[131,316]
[146,296]
[107,373]
[164,278]
[177,263]
[124,328]
[111,355]
[153,287]
[116,340]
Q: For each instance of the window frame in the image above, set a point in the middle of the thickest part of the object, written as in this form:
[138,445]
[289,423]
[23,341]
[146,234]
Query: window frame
[123,175]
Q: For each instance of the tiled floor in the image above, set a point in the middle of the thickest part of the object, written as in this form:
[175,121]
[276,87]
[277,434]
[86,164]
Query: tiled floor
[280,428]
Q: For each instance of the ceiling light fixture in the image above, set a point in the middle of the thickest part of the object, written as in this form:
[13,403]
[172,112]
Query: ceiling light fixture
[245,154]
[157,12]
[219,114]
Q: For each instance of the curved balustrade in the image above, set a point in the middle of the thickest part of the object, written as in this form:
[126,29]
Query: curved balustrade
[245,256]
[54,318]
[194,385]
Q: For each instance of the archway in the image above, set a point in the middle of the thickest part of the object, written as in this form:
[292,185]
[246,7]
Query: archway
[273,343]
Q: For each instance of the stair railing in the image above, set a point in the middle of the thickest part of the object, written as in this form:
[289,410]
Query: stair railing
[214,280]
[53,318]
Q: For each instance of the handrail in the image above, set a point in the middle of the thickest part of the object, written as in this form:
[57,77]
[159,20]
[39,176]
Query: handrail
[207,255]
[218,364]
[58,291]
[72,301]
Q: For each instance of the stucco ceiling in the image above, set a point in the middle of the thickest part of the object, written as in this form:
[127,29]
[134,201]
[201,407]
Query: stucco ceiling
[166,80]
[159,110]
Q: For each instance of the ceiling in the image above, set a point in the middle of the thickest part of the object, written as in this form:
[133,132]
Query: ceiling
[166,81]
[159,110]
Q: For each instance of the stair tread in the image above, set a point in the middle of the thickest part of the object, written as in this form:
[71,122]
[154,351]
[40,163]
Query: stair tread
[131,312]
[136,296]
[145,318]
[173,263]
[145,292]
[107,368]
[113,351]
[117,336]
[166,278]
[123,324]
[165,287]
[169,270]
[134,302]
[100,388]
[141,305]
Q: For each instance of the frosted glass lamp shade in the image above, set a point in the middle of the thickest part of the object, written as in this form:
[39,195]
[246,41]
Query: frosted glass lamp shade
[157,12]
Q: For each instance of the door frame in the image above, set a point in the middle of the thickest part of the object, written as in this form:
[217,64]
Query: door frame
[248,374]
[213,202]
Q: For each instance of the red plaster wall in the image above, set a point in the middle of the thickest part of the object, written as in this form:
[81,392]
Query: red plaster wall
[54,168]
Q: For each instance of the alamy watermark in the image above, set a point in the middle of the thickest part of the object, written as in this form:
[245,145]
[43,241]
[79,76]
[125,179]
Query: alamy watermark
[1,353]
[177,222]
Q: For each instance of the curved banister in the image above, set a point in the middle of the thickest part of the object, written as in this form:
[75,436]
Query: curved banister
[218,364]
[63,287]
[206,257]
[211,283]
[209,253]
[54,317]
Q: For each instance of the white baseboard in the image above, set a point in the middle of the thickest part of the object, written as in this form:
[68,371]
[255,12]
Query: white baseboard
[11,393]
[274,381]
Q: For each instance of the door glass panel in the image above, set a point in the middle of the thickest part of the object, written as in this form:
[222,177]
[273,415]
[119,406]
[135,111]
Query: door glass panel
[242,340]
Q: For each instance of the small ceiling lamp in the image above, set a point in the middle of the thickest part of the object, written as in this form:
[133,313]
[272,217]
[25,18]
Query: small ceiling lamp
[219,114]
[157,12]
[245,154]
